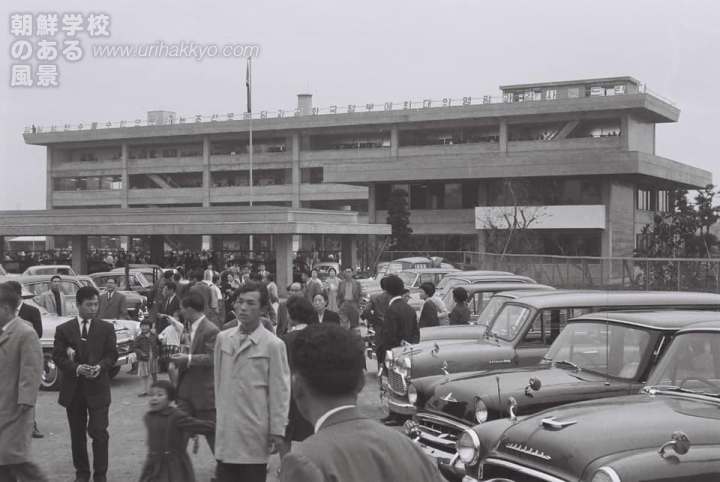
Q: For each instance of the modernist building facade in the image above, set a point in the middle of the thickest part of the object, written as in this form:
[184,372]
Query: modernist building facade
[579,155]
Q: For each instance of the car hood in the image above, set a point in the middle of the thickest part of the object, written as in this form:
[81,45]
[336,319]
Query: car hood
[452,332]
[459,357]
[455,396]
[645,422]
[125,330]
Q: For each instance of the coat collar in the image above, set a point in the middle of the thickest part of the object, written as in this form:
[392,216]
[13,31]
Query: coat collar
[342,416]
[241,342]
[9,328]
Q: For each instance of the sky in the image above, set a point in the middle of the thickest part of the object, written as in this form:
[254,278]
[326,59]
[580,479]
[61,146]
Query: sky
[359,52]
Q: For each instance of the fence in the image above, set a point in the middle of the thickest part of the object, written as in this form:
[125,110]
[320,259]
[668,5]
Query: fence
[662,274]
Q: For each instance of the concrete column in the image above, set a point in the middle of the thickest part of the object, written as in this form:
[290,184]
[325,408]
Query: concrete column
[503,136]
[206,172]
[606,236]
[625,132]
[295,171]
[49,182]
[125,178]
[394,141]
[283,262]
[2,249]
[157,249]
[348,248]
[79,254]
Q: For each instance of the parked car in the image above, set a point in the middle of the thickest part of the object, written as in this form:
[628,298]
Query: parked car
[669,432]
[412,279]
[136,303]
[519,335]
[61,269]
[387,268]
[468,277]
[599,355]
[152,272]
[139,282]
[125,330]
[323,268]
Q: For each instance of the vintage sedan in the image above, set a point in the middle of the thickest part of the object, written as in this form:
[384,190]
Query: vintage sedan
[61,269]
[520,334]
[139,281]
[670,432]
[599,355]
[469,277]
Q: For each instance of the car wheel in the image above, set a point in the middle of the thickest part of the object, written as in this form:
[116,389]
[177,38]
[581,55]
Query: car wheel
[114,372]
[51,374]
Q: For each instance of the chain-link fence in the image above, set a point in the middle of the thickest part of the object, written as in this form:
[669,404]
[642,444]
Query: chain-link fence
[663,274]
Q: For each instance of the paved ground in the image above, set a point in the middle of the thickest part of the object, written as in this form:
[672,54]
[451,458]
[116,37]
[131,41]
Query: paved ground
[127,432]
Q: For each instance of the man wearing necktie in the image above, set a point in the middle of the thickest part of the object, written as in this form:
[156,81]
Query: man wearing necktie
[85,350]
[113,304]
[195,385]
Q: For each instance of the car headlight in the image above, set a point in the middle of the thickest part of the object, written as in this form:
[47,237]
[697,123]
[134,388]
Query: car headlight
[481,411]
[412,394]
[388,359]
[468,447]
[605,474]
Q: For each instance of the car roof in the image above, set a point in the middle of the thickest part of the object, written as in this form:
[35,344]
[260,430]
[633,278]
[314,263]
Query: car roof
[630,298]
[664,319]
[505,287]
[481,272]
[45,266]
[430,270]
[413,259]
[34,278]
[115,273]
[707,325]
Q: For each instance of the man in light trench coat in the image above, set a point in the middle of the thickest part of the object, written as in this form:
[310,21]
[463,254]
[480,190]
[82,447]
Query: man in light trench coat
[20,371]
[252,391]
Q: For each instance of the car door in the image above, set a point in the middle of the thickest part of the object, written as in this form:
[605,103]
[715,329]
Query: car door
[539,334]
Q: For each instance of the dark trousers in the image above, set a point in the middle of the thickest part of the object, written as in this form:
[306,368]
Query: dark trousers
[24,472]
[206,415]
[241,472]
[85,421]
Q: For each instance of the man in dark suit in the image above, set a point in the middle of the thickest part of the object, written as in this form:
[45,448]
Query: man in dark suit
[196,383]
[113,304]
[295,289]
[374,314]
[170,306]
[327,363]
[31,315]
[85,350]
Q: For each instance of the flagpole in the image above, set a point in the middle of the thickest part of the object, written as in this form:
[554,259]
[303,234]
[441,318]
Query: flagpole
[249,108]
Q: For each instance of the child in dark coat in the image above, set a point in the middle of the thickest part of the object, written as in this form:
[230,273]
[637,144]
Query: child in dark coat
[167,459]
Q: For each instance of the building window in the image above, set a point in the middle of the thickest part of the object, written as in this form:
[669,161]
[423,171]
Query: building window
[644,200]
[453,196]
[92,183]
[311,175]
[663,201]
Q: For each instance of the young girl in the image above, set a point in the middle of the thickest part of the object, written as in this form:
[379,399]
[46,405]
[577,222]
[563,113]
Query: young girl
[146,347]
[167,459]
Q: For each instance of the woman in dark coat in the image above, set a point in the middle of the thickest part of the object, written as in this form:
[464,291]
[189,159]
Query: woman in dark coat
[460,315]
[429,312]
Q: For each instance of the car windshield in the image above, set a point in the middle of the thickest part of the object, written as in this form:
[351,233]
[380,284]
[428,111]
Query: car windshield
[601,347]
[408,278]
[509,322]
[692,362]
[490,310]
[144,282]
[448,282]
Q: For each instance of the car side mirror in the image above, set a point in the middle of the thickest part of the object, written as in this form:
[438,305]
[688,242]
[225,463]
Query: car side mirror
[680,444]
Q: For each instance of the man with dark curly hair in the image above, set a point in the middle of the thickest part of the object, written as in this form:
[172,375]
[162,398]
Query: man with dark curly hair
[327,377]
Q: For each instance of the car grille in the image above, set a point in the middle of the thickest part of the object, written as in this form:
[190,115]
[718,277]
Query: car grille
[124,348]
[434,429]
[396,383]
[491,470]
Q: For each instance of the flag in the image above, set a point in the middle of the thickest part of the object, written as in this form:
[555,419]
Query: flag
[247,84]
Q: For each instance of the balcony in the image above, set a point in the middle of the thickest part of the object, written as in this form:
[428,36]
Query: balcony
[87,198]
[181,195]
[332,192]
[165,165]
[241,194]
[566,144]
[85,168]
[546,217]
[266,160]
[342,154]
[438,221]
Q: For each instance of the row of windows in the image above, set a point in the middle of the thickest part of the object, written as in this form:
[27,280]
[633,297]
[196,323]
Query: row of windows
[653,200]
[104,183]
[543,192]
[436,195]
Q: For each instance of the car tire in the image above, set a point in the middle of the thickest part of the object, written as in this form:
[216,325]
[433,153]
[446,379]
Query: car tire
[51,374]
[114,372]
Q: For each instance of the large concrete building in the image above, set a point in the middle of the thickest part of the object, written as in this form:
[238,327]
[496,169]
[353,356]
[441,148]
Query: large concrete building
[579,155]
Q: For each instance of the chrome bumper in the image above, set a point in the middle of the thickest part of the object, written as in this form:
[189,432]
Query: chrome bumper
[126,359]
[398,404]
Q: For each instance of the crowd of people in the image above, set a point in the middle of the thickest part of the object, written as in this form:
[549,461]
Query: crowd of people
[253,382]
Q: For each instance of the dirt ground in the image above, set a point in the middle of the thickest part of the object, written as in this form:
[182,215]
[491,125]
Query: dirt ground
[127,432]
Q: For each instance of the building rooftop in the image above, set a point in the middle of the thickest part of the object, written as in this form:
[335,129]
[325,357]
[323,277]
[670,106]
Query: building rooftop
[602,80]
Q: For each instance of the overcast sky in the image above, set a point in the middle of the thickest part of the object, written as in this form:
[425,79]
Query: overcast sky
[359,52]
